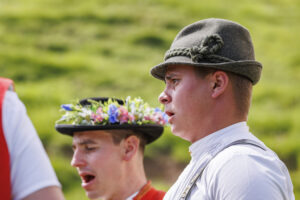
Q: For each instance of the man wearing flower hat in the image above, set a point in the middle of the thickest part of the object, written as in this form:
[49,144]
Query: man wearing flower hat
[209,72]
[109,137]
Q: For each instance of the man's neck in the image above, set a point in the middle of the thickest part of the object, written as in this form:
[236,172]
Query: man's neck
[133,181]
[213,126]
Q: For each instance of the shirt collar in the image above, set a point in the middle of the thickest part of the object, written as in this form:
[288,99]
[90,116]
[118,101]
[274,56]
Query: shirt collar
[132,196]
[205,144]
[141,192]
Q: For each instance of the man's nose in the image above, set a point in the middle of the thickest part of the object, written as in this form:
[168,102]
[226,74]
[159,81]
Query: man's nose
[77,160]
[164,98]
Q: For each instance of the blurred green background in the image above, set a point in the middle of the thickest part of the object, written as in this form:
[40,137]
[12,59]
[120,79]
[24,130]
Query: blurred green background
[60,50]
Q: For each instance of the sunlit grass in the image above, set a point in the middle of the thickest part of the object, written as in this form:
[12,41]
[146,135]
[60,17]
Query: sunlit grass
[60,50]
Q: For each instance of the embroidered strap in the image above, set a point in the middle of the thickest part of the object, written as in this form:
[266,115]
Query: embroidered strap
[187,190]
[5,185]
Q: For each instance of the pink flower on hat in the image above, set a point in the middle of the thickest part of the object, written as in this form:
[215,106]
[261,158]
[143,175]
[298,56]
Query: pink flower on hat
[98,116]
[160,117]
[124,117]
[149,118]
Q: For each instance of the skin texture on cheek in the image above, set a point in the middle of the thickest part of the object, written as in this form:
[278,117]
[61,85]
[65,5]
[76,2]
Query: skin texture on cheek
[189,101]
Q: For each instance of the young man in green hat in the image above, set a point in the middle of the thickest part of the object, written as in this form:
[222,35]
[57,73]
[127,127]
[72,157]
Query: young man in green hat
[109,138]
[209,72]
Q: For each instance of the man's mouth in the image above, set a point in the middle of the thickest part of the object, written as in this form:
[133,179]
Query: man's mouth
[170,116]
[86,178]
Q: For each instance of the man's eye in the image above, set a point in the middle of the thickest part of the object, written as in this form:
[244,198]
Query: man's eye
[90,148]
[174,81]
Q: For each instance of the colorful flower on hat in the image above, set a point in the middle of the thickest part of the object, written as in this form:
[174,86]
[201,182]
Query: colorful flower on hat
[134,111]
[67,107]
[124,116]
[98,116]
[113,113]
[160,117]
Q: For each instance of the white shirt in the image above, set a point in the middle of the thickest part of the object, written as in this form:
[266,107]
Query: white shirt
[239,172]
[30,167]
[132,196]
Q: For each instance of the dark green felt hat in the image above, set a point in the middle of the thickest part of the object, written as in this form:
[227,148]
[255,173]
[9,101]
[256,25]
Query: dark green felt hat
[213,43]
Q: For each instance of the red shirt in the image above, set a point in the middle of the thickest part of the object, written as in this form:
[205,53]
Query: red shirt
[149,193]
[5,185]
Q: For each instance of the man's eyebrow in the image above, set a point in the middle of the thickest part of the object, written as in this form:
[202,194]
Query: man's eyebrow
[169,76]
[85,142]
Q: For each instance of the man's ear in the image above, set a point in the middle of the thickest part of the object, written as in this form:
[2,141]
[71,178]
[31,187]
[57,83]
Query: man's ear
[219,83]
[130,147]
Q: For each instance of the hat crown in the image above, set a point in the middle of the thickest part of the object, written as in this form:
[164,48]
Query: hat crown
[213,43]
[237,41]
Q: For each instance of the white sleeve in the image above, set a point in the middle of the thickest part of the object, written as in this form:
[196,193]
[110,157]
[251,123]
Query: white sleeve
[31,169]
[247,177]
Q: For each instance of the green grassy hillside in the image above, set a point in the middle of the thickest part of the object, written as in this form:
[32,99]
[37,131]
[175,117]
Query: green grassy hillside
[60,50]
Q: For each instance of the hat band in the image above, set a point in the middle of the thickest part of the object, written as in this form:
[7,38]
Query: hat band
[205,51]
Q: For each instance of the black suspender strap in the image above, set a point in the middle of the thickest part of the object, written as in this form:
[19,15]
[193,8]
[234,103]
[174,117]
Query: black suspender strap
[187,190]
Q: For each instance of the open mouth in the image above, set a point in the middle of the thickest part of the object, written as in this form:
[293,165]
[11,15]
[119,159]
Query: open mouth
[170,114]
[87,178]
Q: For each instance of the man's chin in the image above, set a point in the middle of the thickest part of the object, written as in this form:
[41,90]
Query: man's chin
[92,195]
[175,131]
[179,133]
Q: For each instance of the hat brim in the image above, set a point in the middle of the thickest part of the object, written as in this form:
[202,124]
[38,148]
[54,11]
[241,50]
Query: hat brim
[150,131]
[248,68]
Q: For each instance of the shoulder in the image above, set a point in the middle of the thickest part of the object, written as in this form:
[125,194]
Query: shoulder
[12,101]
[239,155]
[13,114]
[246,171]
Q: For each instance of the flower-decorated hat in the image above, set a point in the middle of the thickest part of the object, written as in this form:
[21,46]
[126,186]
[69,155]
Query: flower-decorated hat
[102,113]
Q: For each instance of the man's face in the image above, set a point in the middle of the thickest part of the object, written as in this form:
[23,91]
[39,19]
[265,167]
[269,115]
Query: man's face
[98,161]
[186,100]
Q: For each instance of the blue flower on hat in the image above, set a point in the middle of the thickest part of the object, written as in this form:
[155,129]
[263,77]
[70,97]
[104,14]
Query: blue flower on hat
[67,107]
[165,117]
[157,110]
[160,116]
[113,113]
